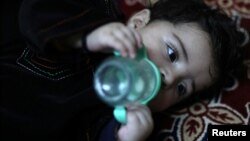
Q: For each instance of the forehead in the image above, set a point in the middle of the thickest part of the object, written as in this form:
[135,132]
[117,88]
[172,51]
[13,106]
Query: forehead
[198,46]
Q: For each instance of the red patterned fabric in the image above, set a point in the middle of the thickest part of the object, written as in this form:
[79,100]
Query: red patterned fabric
[230,107]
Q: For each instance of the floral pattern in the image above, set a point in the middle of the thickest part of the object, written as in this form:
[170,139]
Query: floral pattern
[239,7]
[192,121]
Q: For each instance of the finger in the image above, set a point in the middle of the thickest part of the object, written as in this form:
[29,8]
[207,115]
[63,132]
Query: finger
[145,114]
[117,45]
[142,112]
[137,36]
[130,35]
[134,36]
[128,43]
[138,119]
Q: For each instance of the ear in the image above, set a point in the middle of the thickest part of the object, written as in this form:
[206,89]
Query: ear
[139,19]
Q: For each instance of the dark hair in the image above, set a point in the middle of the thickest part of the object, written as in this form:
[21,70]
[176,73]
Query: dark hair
[225,38]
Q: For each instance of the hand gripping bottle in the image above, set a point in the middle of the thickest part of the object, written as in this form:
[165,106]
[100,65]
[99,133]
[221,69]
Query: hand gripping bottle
[119,81]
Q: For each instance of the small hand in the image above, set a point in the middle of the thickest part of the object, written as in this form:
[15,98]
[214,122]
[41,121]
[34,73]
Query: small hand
[139,124]
[114,36]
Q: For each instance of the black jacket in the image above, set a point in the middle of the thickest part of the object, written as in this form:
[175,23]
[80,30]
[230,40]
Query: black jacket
[45,94]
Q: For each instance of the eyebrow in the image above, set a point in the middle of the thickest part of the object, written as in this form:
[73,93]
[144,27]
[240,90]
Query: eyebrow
[182,46]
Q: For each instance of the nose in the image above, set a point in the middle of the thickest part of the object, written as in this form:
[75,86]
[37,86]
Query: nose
[170,76]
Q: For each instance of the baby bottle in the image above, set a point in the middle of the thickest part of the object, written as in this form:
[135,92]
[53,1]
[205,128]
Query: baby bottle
[120,81]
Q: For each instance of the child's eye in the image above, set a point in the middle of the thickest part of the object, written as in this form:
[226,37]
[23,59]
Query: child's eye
[181,89]
[171,53]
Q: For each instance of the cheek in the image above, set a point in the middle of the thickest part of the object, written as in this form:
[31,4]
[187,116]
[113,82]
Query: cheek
[156,55]
[162,101]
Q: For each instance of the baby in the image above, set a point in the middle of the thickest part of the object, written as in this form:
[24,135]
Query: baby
[48,93]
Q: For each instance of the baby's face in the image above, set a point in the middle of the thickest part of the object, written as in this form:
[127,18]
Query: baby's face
[183,55]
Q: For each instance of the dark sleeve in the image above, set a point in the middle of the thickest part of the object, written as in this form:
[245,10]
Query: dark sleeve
[44,21]
[109,132]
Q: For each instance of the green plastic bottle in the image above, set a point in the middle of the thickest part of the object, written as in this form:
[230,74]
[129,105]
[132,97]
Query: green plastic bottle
[119,81]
